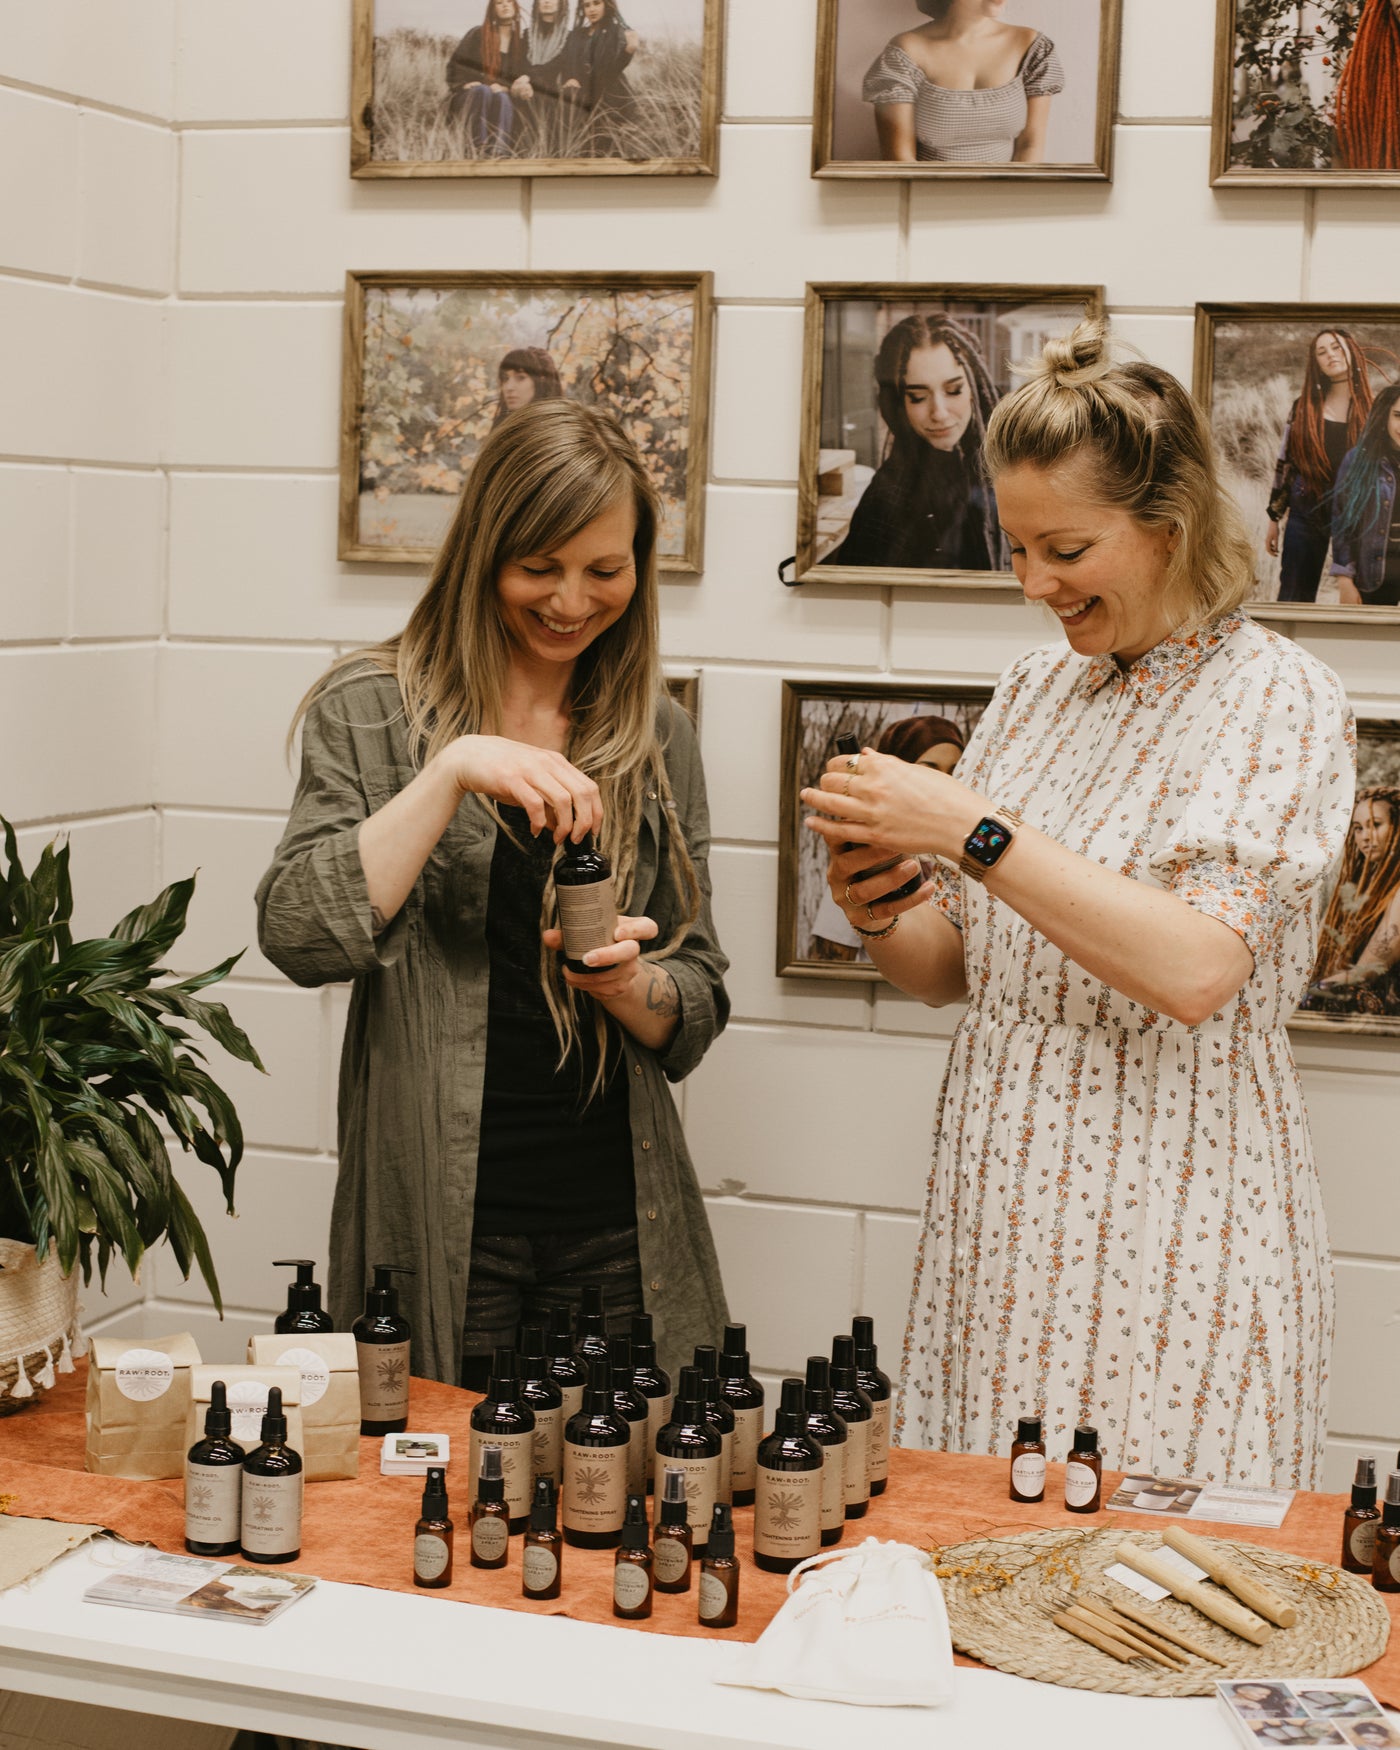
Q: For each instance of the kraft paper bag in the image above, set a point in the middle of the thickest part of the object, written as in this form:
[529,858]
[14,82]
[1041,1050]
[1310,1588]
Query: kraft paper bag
[330,1396]
[138,1401]
[247,1401]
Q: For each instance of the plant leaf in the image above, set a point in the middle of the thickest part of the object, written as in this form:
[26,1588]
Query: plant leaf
[158,924]
[215,1020]
[187,1240]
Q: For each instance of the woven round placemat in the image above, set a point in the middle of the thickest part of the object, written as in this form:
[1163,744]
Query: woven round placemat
[1002,1594]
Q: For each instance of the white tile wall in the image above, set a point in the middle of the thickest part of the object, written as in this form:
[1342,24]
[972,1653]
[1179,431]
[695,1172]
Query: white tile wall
[39,214]
[126,202]
[113,52]
[224,72]
[79,726]
[36,516]
[785,1270]
[118,553]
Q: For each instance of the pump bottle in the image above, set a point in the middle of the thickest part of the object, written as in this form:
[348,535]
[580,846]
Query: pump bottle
[595,1466]
[719,1573]
[744,1395]
[490,1515]
[1361,1522]
[829,1432]
[672,1541]
[654,1384]
[506,1420]
[720,1415]
[583,892]
[632,1581]
[876,1386]
[788,1505]
[565,1368]
[691,1443]
[272,1492]
[303,1301]
[432,1536]
[856,1411]
[546,1399]
[382,1345]
[541,1565]
[214,1483]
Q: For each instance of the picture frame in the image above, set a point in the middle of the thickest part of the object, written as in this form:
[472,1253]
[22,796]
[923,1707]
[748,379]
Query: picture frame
[1304,120]
[1262,369]
[964,339]
[859,52]
[920,719]
[408,437]
[657,114]
[1362,908]
[684,688]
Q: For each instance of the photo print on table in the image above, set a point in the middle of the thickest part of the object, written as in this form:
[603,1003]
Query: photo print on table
[928,725]
[966,88]
[1307,93]
[899,382]
[433,361]
[1302,401]
[536,87]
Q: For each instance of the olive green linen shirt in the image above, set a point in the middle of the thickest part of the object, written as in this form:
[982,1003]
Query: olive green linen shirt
[414,1058]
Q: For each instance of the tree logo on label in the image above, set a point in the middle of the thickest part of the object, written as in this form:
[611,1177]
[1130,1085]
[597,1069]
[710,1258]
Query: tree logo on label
[262,1508]
[391,1374]
[592,1485]
[786,1510]
[201,1498]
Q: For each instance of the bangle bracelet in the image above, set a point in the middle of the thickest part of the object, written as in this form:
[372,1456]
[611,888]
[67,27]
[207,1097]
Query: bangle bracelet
[876,935]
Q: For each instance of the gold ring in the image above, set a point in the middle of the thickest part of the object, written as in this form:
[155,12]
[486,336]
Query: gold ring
[853,763]
[848,898]
[846,788]
[870,913]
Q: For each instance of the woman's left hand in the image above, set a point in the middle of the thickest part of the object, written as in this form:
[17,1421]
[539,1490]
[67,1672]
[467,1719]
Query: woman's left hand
[1347,592]
[893,805]
[618,966]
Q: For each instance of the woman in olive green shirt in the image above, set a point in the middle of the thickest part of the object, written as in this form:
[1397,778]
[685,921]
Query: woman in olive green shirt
[505,1127]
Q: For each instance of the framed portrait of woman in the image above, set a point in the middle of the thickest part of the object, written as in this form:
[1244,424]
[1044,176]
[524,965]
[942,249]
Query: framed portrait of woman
[434,361]
[1303,401]
[1355,982]
[927,724]
[536,87]
[1307,93]
[966,88]
[898,384]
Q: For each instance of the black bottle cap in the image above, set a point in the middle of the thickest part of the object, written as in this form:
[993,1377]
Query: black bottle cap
[635,1530]
[620,1354]
[599,1393]
[544,1506]
[707,1360]
[735,1354]
[689,1404]
[491,1484]
[505,1377]
[274,1423]
[1390,1509]
[382,1298]
[843,1363]
[818,1396]
[1028,1430]
[435,1494]
[863,1336]
[584,846]
[532,1358]
[1363,1489]
[675,1508]
[589,1322]
[303,1295]
[792,1412]
[643,1340]
[1086,1439]
[721,1539]
[561,1333]
[218,1423]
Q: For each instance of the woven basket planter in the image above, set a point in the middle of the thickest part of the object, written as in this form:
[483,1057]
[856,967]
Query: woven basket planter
[38,1324]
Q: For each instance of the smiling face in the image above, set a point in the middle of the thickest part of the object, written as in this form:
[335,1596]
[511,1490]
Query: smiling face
[937,396]
[555,604]
[517,389]
[1098,569]
[1372,823]
[1331,354]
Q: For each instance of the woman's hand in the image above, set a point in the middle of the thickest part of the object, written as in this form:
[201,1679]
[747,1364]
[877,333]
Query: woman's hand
[631,41]
[1271,540]
[556,796]
[620,966]
[571,85]
[1347,593]
[889,803]
[864,902]
[522,87]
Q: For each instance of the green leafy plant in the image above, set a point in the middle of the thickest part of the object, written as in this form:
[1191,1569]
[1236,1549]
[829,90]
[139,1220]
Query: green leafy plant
[92,1053]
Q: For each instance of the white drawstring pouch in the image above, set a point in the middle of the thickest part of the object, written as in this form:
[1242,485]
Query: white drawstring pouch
[867,1626]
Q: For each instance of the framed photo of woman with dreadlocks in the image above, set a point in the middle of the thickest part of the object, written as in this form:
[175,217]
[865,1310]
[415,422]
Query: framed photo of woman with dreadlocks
[1355,983]
[1304,402]
[1307,93]
[536,87]
[898,384]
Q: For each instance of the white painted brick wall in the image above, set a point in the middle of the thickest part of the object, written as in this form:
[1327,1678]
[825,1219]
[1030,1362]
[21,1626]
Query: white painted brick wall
[171,270]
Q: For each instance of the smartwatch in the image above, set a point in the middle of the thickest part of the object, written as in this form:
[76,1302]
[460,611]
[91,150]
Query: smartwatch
[986,844]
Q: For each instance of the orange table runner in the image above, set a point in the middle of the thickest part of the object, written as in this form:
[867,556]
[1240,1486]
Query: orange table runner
[361,1532]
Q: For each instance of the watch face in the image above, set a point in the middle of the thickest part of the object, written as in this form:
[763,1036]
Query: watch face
[987,840]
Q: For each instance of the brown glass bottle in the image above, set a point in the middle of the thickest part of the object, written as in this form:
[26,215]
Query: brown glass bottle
[718,1603]
[720,1417]
[1084,1472]
[505,1418]
[542,1562]
[1028,1461]
[691,1443]
[583,893]
[672,1542]
[545,1397]
[432,1536]
[829,1432]
[565,1368]
[1362,1520]
[595,1466]
[632,1407]
[490,1516]
[632,1564]
[744,1395]
[1385,1563]
[590,1327]
[383,1351]
[787,1521]
[654,1385]
[272,1492]
[876,1386]
[855,1409]
[214,1482]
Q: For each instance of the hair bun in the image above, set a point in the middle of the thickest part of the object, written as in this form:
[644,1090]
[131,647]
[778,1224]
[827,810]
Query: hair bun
[1079,357]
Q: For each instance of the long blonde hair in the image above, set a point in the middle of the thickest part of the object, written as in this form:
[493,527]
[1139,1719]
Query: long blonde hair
[1143,445]
[541,476]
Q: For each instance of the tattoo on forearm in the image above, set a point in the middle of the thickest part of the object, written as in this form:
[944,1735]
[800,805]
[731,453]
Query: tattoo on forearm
[378,923]
[662,996]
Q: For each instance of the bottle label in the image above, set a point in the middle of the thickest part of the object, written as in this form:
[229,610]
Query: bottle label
[213,1500]
[880,1441]
[669,1559]
[143,1375]
[595,1487]
[490,1537]
[788,1512]
[658,1415]
[748,1431]
[573,1399]
[1081,1484]
[1394,1563]
[834,1486]
[701,1492]
[1363,1542]
[315,1375]
[383,1381]
[271,1514]
[637,1454]
[714,1597]
[1028,1473]
[548,1450]
[517,1464]
[587,916]
[726,1467]
[539,1568]
[857,1450]
[430,1555]
[631,1585]
[247,1404]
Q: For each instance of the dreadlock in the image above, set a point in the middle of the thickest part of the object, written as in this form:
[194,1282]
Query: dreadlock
[1363,492]
[1307,448]
[1368,93]
[1364,889]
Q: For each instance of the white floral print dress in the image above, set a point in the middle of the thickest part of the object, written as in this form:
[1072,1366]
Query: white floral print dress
[1124,1222]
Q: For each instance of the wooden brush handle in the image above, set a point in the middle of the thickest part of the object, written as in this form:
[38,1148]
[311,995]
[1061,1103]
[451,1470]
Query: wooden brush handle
[1217,1605]
[1152,1648]
[1224,1572]
[1104,1642]
[1167,1633]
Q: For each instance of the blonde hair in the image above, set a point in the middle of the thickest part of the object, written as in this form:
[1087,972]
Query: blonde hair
[542,475]
[1141,444]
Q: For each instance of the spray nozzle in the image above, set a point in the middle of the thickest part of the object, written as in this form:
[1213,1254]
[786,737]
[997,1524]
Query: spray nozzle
[675,1507]
[634,1526]
[435,1494]
[542,1508]
[491,1485]
[863,1335]
[721,1539]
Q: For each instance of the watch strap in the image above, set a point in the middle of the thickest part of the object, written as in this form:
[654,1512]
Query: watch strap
[1010,819]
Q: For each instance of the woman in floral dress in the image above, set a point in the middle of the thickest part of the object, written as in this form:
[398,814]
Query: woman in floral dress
[1124,1222]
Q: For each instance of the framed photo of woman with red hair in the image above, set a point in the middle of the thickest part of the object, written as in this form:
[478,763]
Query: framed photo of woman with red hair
[1307,92]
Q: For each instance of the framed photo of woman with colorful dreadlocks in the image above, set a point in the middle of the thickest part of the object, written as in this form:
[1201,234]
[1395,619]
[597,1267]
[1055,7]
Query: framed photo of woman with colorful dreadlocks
[1307,92]
[1355,984]
[898,384]
[1303,400]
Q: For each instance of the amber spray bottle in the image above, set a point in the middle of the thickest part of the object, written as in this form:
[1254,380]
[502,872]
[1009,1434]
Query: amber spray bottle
[1084,1472]
[672,1541]
[432,1536]
[542,1564]
[565,1368]
[490,1516]
[1362,1520]
[632,1407]
[857,1412]
[787,1520]
[1385,1563]
[1028,1461]
[654,1384]
[583,892]
[507,1421]
[595,1466]
[545,1398]
[632,1583]
[720,1416]
[744,1395]
[214,1483]
[829,1432]
[719,1573]
[304,1312]
[590,1327]
[689,1442]
[876,1386]
[383,1341]
[272,1492]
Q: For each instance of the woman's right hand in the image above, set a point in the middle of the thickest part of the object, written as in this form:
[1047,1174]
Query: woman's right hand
[556,796]
[1271,540]
[864,902]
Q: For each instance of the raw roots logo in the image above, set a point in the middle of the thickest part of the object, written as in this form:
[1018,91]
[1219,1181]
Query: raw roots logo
[785,1509]
[391,1374]
[201,1498]
[592,1485]
[262,1507]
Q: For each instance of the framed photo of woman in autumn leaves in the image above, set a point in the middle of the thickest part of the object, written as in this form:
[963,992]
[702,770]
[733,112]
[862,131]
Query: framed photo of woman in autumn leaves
[434,360]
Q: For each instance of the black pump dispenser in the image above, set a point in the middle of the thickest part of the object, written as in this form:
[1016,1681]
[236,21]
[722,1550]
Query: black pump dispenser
[303,1300]
[381,1297]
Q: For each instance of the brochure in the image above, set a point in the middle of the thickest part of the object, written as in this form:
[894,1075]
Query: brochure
[1185,1498]
[192,1586]
[1338,1712]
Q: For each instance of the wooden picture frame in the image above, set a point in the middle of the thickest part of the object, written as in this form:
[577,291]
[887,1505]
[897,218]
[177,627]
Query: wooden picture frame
[1009,322]
[675,108]
[846,39]
[814,714]
[399,485]
[1363,903]
[1274,115]
[1251,367]
[684,688]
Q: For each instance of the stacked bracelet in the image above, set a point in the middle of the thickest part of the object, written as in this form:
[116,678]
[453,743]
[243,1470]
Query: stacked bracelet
[876,935]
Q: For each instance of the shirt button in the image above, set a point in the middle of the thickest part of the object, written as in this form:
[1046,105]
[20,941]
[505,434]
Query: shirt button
[651,795]
[651,1215]
[636,1069]
[655,1284]
[646,1145]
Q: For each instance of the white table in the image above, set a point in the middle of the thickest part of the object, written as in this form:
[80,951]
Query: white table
[388,1670]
